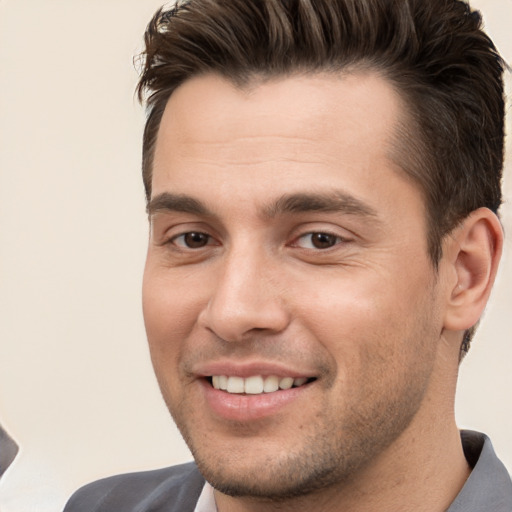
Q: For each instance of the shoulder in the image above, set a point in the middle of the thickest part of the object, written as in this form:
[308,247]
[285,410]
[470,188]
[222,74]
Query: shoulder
[489,487]
[164,490]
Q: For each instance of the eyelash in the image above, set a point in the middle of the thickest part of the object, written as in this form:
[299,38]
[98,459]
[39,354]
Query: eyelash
[330,238]
[335,239]
[174,239]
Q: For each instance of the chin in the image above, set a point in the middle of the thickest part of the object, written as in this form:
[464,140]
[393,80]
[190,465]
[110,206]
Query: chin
[267,474]
[273,484]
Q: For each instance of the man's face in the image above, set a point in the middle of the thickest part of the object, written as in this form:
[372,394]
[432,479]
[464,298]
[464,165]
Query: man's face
[287,247]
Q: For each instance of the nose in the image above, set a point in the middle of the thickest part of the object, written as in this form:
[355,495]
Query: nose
[246,298]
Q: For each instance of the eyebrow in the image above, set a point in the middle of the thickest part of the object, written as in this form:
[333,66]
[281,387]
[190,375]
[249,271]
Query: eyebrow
[167,202]
[332,202]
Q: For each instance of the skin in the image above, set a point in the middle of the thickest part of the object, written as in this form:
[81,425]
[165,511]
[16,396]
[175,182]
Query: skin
[365,313]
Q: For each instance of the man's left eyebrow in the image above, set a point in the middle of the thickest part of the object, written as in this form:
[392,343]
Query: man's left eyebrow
[333,202]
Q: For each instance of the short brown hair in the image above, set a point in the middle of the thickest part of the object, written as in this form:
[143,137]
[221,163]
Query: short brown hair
[433,51]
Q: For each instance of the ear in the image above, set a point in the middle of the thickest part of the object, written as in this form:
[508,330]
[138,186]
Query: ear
[472,252]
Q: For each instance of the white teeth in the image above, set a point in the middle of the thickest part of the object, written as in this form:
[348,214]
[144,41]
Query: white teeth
[271,384]
[286,383]
[223,382]
[255,384]
[235,385]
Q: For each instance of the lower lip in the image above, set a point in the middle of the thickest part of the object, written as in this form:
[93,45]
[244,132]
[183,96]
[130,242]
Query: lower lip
[230,406]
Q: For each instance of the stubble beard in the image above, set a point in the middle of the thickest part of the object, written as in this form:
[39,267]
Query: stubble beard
[331,455]
[334,447]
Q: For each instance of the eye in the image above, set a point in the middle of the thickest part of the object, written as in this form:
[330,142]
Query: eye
[192,240]
[318,240]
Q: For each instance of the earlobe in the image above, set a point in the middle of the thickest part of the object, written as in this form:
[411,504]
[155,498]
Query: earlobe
[473,251]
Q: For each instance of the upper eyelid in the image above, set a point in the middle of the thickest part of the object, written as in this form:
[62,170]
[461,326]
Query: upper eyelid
[345,235]
[183,233]
[323,232]
[309,233]
[173,230]
[163,234]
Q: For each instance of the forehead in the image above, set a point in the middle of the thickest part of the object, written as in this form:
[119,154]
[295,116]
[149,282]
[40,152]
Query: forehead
[298,105]
[278,133]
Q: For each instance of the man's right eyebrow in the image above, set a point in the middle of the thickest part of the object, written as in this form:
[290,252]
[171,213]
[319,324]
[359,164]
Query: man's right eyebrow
[168,202]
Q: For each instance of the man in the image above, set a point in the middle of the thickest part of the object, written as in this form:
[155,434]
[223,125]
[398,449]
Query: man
[323,181]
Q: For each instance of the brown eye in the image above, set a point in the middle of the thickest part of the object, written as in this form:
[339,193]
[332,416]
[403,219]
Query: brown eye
[323,240]
[318,240]
[192,240]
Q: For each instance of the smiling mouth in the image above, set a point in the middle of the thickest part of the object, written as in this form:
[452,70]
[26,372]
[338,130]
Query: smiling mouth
[256,384]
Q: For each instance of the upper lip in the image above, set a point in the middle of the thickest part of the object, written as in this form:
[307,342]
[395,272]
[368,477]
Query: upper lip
[248,369]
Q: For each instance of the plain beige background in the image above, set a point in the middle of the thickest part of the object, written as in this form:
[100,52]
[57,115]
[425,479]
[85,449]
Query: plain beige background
[76,386]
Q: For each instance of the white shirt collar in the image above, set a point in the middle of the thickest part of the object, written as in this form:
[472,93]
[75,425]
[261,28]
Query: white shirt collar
[206,502]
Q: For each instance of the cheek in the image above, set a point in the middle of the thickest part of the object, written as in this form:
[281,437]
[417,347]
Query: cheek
[373,338]
[346,307]
[365,318]
[168,317]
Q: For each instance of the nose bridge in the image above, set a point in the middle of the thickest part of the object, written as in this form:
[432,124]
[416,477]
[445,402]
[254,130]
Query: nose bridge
[246,296]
